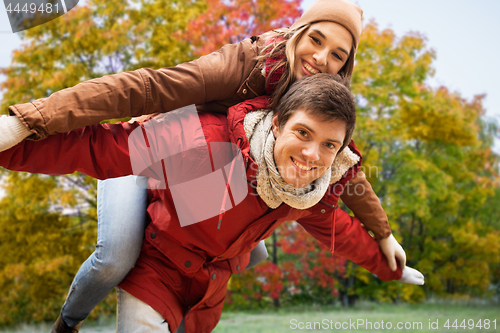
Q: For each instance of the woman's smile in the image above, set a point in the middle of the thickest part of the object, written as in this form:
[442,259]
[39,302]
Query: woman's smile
[309,69]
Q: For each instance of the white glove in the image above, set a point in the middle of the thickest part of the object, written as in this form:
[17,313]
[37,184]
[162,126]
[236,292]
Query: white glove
[12,131]
[412,276]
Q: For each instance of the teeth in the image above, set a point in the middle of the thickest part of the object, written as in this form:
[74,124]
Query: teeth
[301,167]
[310,69]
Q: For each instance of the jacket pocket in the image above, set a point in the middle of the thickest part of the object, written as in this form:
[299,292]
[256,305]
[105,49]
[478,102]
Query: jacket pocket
[167,272]
[239,263]
[185,260]
[254,85]
[218,295]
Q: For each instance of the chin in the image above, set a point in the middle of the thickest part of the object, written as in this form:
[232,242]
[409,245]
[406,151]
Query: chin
[298,183]
[298,73]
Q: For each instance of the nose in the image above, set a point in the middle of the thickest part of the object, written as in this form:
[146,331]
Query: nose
[311,152]
[320,57]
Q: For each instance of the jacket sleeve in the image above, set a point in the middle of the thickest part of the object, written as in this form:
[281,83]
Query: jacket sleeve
[352,242]
[213,77]
[100,151]
[360,198]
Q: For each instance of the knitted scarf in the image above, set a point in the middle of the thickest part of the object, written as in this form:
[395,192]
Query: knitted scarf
[270,186]
[269,65]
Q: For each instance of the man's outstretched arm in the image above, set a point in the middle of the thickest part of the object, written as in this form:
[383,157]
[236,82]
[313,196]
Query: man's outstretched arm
[100,151]
[360,198]
[353,242]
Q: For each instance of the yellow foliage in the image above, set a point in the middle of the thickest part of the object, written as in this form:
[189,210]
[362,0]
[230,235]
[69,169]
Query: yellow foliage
[41,249]
[412,294]
[441,116]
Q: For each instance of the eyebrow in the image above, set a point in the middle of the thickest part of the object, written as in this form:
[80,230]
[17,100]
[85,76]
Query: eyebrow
[324,37]
[313,132]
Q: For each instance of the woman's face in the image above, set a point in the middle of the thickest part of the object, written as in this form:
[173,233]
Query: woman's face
[324,48]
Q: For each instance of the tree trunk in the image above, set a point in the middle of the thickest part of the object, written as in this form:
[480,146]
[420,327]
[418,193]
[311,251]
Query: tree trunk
[347,299]
[275,261]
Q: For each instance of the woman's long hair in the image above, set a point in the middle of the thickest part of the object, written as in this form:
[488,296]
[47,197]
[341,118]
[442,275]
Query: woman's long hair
[283,48]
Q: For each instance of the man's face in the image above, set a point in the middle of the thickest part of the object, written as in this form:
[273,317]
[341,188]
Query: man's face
[306,147]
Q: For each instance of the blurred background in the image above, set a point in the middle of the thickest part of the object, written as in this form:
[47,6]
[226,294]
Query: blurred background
[426,85]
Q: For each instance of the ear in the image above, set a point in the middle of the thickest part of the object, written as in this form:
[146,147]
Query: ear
[275,126]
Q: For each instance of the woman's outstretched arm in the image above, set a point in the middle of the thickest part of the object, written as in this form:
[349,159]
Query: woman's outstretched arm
[214,77]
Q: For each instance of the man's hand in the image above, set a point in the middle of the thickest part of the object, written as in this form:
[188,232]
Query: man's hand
[412,276]
[392,250]
[12,131]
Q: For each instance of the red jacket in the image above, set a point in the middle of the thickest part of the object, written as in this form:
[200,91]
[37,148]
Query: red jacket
[184,271]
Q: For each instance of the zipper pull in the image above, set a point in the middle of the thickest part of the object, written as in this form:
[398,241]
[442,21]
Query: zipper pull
[226,192]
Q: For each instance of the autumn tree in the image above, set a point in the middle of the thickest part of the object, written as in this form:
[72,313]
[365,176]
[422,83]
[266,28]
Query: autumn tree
[428,153]
[41,248]
[305,273]
[234,20]
[90,41]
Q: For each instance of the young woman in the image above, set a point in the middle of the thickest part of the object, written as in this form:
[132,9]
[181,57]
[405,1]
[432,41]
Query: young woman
[324,40]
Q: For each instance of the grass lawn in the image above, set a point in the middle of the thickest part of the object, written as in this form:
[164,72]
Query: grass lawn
[369,316]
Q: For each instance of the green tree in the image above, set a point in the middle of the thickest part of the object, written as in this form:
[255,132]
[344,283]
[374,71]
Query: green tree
[41,248]
[90,41]
[427,152]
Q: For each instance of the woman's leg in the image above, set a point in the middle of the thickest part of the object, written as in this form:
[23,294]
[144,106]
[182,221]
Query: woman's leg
[121,212]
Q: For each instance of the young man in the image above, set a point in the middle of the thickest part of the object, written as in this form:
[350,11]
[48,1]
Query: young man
[218,185]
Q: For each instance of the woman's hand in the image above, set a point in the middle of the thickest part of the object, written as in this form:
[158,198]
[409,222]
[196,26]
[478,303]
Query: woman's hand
[392,250]
[12,131]
[412,276]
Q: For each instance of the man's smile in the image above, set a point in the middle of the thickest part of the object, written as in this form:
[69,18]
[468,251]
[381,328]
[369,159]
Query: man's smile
[301,166]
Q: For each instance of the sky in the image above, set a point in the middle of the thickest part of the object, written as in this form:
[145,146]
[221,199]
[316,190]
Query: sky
[462,32]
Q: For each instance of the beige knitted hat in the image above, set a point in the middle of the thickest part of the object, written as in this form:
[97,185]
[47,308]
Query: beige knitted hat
[342,12]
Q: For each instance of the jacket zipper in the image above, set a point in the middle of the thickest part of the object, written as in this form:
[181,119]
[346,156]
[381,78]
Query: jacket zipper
[332,241]
[239,141]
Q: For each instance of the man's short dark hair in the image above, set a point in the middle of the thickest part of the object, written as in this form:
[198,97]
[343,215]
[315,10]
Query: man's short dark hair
[324,95]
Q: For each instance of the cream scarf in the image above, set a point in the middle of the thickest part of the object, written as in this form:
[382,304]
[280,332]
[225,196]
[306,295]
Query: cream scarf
[270,186]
